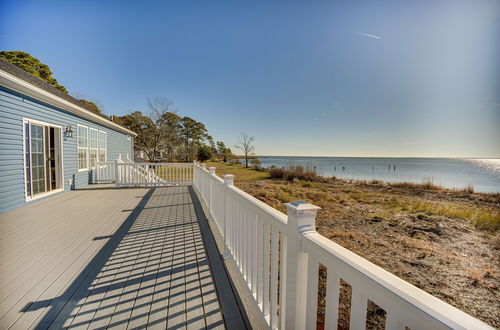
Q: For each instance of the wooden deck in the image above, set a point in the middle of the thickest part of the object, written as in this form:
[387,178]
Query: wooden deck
[114,258]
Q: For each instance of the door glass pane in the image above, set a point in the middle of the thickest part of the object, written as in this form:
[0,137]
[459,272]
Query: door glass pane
[38,166]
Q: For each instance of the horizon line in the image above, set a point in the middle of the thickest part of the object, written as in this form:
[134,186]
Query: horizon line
[329,156]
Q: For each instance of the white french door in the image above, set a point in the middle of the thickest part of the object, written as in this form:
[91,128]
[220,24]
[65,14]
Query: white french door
[42,158]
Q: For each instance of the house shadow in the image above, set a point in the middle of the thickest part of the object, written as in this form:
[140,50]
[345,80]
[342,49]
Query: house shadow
[154,270]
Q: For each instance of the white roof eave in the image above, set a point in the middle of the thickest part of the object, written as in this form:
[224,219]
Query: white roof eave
[19,85]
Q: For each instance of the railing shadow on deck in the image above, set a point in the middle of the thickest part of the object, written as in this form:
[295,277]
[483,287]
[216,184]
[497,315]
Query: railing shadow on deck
[104,296]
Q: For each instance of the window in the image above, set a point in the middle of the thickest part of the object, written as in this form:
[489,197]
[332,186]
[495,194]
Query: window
[83,151]
[92,147]
[103,149]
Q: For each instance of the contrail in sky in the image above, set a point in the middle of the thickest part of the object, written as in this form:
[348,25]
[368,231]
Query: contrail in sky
[370,35]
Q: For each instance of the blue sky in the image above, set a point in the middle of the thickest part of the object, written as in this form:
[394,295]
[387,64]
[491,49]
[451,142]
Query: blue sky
[346,78]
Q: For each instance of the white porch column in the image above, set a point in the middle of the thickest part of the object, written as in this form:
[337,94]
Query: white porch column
[301,219]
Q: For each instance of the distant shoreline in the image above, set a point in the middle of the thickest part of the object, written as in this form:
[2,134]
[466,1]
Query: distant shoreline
[373,157]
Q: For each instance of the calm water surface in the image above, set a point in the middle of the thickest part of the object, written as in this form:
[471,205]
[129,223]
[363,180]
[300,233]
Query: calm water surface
[482,174]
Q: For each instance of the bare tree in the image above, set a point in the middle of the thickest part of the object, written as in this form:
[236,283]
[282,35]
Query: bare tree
[245,144]
[156,131]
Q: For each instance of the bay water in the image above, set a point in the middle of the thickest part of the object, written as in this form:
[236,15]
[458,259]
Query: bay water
[482,174]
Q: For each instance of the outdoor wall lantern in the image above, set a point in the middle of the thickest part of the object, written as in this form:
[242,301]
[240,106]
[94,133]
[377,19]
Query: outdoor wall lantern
[68,131]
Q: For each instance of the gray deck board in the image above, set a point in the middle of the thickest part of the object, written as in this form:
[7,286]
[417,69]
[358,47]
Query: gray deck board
[113,258]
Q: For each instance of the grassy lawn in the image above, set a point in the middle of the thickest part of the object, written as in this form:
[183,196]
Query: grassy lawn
[239,171]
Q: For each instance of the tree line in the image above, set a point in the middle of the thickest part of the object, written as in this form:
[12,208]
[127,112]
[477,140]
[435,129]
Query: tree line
[163,135]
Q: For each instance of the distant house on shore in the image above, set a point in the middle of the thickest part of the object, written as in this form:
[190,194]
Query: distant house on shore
[49,141]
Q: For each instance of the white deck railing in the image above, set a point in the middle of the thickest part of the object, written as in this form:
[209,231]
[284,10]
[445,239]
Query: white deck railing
[279,255]
[105,172]
[146,174]
[127,173]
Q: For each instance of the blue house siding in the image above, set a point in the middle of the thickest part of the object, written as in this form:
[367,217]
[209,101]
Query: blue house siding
[13,108]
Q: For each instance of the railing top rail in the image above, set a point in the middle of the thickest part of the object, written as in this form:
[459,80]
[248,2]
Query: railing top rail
[441,312]
[219,179]
[279,216]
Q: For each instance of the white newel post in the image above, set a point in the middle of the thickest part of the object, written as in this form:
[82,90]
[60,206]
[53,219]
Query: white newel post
[211,193]
[301,219]
[228,182]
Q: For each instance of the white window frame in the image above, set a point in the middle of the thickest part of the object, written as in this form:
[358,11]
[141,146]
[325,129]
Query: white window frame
[99,149]
[96,147]
[78,148]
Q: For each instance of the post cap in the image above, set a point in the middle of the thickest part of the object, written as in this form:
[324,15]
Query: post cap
[302,207]
[212,170]
[229,179]
[203,166]
[303,215]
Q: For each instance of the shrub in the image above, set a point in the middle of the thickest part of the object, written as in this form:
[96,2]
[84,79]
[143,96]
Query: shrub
[291,171]
[204,153]
[256,163]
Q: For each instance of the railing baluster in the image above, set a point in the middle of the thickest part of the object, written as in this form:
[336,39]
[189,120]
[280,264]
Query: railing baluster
[255,253]
[238,233]
[250,220]
[312,292]
[241,233]
[359,305]
[274,279]
[266,271]
[283,258]
[251,251]
[232,227]
[258,268]
[332,300]
[245,244]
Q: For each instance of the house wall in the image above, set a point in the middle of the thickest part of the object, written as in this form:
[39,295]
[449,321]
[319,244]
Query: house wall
[13,108]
